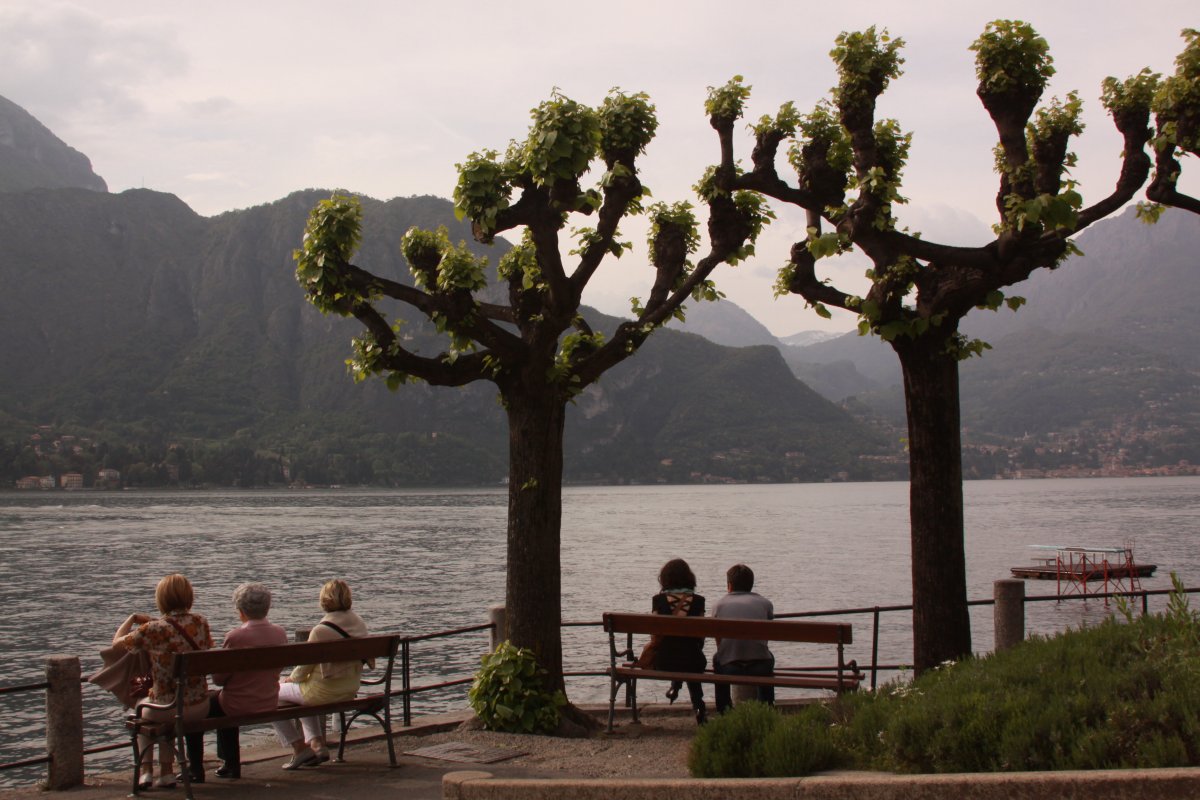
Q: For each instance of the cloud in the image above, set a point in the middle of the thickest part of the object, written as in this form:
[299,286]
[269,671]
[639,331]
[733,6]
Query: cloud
[61,61]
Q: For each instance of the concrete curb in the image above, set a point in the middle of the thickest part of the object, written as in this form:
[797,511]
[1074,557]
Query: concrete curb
[1159,784]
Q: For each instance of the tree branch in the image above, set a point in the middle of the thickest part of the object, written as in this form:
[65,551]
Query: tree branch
[396,358]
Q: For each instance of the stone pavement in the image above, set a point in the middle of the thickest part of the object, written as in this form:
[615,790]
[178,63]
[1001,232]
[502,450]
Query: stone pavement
[365,775]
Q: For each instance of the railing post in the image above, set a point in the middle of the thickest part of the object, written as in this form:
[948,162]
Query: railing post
[406,681]
[498,619]
[64,722]
[874,648]
[1009,612]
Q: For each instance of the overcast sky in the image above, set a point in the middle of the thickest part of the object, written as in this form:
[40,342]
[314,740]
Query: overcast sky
[234,104]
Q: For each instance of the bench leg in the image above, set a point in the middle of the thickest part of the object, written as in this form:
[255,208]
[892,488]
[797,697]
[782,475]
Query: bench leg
[614,688]
[137,761]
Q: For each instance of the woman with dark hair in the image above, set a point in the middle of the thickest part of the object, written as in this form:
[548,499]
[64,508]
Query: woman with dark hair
[677,653]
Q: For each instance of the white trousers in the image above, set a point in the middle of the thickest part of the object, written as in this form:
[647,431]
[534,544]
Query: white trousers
[289,730]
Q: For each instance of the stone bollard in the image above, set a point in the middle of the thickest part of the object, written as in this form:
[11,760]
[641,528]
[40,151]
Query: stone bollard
[64,722]
[1009,610]
[498,619]
[740,694]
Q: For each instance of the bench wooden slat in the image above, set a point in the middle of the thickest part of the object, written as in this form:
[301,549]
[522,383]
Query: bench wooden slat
[823,681]
[776,630]
[240,659]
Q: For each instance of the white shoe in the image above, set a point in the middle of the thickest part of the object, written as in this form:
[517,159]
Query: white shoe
[305,758]
[322,754]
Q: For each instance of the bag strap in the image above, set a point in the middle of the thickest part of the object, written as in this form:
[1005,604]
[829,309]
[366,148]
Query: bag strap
[345,635]
[183,633]
[337,628]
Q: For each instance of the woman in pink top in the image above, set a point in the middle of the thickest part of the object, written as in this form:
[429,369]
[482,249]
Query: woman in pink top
[246,692]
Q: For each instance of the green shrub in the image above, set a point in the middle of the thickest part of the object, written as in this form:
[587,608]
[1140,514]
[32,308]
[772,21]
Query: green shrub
[729,746]
[755,740]
[1122,694]
[799,744]
[510,693]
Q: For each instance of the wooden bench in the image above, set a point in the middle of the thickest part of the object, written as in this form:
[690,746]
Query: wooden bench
[376,703]
[844,677]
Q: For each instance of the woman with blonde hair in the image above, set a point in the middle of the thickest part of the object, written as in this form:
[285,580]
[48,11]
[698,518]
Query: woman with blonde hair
[314,684]
[178,630]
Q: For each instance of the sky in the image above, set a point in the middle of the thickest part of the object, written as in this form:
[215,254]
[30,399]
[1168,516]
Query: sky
[234,104]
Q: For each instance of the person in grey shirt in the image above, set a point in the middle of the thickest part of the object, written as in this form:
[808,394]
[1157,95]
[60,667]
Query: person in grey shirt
[742,656]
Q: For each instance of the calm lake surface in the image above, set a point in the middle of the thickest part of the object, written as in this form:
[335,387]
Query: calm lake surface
[74,565]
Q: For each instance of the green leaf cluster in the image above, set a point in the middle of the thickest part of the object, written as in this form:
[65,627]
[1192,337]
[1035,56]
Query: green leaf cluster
[367,360]
[1177,101]
[1130,95]
[783,123]
[483,190]
[866,62]
[332,235]
[521,263]
[678,216]
[563,140]
[757,213]
[725,103]
[510,693]
[1053,212]
[824,245]
[823,135]
[1010,57]
[627,124]
[439,266]
[1056,122]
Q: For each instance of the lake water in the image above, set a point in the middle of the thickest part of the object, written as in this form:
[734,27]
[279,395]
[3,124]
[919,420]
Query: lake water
[74,565]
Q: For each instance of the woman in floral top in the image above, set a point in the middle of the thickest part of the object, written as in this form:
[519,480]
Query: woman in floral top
[178,630]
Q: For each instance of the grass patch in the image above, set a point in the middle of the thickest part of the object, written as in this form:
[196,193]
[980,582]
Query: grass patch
[1122,694]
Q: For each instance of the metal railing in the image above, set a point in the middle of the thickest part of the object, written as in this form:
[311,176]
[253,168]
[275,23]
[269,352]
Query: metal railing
[408,690]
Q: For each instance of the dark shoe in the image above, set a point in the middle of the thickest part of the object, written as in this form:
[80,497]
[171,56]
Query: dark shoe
[701,716]
[228,772]
[194,779]
[672,694]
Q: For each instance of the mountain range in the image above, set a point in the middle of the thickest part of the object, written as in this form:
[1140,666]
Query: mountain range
[181,348]
[175,348]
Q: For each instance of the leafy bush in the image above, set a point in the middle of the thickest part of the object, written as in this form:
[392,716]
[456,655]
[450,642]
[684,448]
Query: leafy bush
[510,693]
[1123,694]
[730,746]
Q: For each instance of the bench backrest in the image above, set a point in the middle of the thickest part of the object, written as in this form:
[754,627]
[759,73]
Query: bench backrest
[240,659]
[777,630]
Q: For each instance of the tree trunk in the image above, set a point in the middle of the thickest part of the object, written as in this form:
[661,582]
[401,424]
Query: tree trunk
[941,623]
[533,591]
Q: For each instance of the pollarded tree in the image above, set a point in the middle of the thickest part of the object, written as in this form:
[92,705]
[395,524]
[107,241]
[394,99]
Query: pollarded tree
[849,168]
[537,347]
[1177,126]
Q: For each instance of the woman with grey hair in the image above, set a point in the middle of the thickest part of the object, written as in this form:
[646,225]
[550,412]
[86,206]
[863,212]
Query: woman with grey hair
[245,692]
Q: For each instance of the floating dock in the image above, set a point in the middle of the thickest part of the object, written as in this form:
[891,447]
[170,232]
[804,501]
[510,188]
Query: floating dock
[1076,569]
